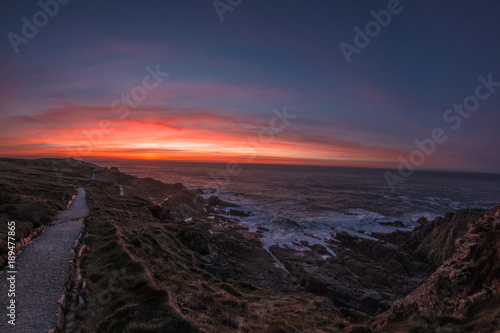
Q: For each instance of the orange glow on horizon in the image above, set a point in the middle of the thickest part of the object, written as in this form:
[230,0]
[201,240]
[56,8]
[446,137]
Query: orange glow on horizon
[145,156]
[81,134]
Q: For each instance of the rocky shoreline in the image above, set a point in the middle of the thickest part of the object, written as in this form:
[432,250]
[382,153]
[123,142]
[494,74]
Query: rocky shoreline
[191,267]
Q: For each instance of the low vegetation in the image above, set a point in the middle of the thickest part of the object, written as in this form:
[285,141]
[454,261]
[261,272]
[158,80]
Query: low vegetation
[141,277]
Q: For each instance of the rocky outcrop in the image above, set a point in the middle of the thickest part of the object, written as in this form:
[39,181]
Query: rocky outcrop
[434,241]
[395,224]
[464,284]
[364,274]
[368,275]
[229,251]
[159,212]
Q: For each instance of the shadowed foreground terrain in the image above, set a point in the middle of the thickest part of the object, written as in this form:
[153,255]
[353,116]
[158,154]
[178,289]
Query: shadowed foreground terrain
[42,272]
[162,258]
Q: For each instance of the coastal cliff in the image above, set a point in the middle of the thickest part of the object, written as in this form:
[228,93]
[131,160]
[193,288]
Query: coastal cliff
[463,292]
[161,257]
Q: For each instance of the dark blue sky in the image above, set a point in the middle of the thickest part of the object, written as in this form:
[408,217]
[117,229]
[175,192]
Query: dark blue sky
[226,77]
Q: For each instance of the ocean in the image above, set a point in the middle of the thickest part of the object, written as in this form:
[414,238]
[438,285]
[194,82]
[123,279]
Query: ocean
[297,204]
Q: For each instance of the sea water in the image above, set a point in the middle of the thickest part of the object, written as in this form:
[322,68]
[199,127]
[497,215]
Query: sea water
[304,205]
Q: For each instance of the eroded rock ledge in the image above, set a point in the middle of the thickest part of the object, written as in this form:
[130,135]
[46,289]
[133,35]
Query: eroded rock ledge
[465,288]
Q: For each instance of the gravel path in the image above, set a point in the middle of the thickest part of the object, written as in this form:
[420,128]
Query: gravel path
[42,270]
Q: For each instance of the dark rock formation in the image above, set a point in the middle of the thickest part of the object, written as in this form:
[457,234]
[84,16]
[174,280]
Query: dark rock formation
[395,224]
[465,283]
[195,241]
[215,201]
[436,239]
[159,212]
[366,275]
[240,213]
[238,254]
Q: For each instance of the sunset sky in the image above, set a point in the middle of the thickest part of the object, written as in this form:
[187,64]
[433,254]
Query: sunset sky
[63,93]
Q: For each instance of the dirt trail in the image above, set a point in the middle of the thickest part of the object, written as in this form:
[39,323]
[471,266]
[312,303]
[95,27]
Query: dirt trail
[42,269]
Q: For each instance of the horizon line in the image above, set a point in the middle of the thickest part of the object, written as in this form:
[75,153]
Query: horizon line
[93,160]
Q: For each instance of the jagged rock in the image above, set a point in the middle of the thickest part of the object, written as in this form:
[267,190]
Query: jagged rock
[160,213]
[236,212]
[422,220]
[396,224]
[399,224]
[195,241]
[368,277]
[468,280]
[436,240]
[238,254]
[215,201]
